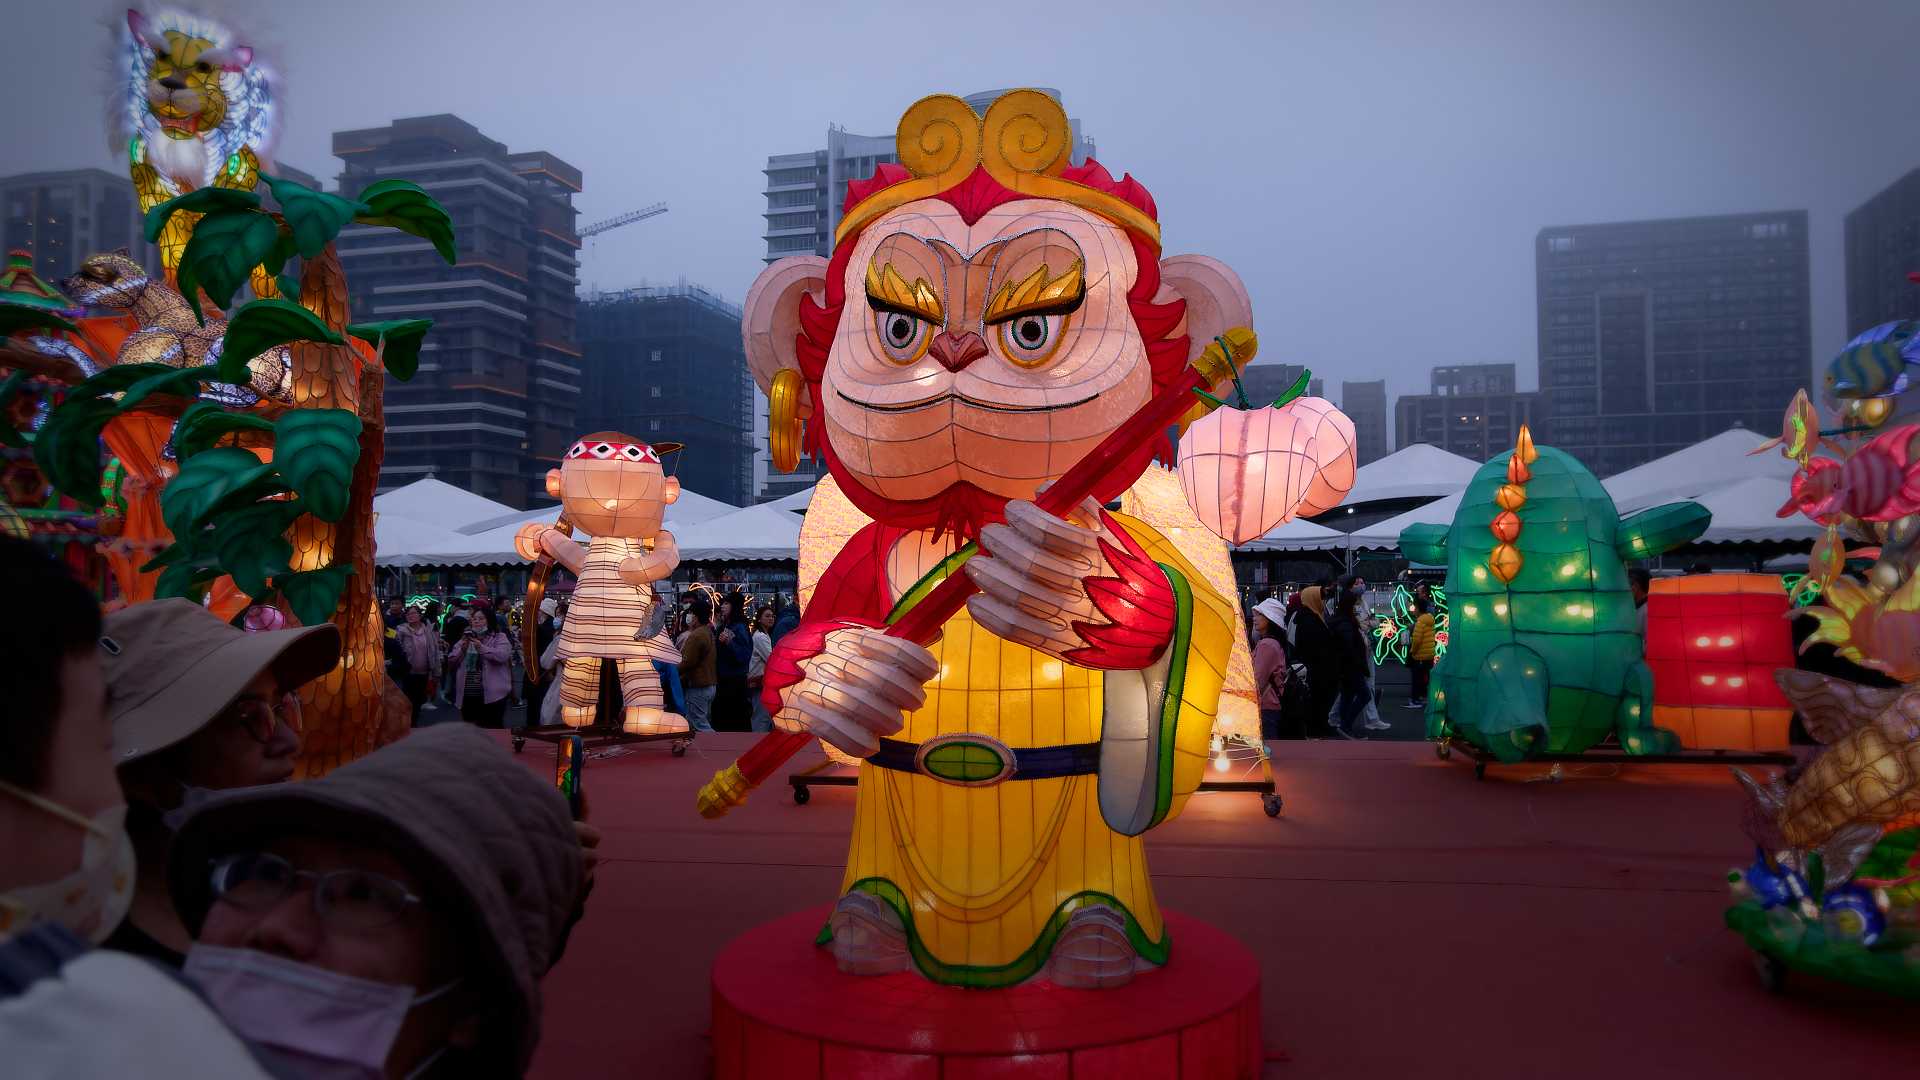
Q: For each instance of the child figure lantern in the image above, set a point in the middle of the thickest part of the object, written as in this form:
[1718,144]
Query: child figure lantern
[612,487]
[994,321]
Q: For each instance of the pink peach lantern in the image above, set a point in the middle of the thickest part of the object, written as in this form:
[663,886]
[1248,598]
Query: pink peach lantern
[1247,470]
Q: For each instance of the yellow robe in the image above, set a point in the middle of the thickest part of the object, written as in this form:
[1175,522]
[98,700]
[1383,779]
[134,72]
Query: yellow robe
[985,877]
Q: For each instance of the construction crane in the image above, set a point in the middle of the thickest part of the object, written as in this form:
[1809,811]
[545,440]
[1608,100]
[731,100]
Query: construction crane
[627,218]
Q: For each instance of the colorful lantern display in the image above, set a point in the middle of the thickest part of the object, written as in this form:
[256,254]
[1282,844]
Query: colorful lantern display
[993,322]
[1713,642]
[1246,470]
[1834,887]
[1544,648]
[1393,628]
[613,488]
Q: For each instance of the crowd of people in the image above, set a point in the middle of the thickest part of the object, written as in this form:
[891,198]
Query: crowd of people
[172,903]
[464,654]
[1313,667]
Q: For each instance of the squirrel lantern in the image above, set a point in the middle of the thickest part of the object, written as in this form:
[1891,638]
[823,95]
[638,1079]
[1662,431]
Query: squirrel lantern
[612,487]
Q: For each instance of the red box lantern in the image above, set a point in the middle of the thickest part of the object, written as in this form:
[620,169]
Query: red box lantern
[1713,642]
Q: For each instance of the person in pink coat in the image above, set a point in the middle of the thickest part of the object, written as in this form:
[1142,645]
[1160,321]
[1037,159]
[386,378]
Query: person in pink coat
[480,666]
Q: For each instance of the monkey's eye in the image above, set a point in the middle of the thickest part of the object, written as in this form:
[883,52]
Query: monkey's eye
[903,337]
[203,67]
[1030,340]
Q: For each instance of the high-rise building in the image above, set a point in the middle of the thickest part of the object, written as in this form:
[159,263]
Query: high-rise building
[63,217]
[1657,334]
[496,401]
[665,363]
[807,191]
[1472,410]
[1883,247]
[1264,382]
[1365,403]
[805,195]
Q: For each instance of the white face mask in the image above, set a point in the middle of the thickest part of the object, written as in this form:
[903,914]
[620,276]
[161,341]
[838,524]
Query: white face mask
[92,899]
[313,1023]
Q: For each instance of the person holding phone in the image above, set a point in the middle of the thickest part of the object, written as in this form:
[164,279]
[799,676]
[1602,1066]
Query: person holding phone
[483,657]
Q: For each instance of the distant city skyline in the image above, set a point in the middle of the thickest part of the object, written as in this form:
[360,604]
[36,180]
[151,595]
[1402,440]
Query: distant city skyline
[1361,212]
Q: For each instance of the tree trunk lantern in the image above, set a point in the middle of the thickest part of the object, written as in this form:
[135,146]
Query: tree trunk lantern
[1714,642]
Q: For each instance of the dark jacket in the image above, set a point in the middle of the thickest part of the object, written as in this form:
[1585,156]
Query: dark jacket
[732,657]
[789,618]
[1349,645]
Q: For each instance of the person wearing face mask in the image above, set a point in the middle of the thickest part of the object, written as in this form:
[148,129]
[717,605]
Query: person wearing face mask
[196,706]
[393,918]
[67,876]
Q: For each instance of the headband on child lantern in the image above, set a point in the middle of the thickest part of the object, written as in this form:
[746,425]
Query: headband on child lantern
[604,450]
[1024,143]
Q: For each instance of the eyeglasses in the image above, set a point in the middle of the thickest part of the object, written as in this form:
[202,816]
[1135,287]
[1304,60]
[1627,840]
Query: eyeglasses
[343,899]
[262,716]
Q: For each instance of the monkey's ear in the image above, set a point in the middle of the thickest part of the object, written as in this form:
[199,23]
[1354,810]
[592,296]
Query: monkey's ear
[553,482]
[670,494]
[1216,300]
[122,251]
[772,314]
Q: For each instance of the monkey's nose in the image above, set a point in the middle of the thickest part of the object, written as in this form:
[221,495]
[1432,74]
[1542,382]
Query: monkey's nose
[173,82]
[957,351]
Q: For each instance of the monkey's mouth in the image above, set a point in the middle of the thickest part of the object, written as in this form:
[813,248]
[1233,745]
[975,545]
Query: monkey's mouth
[940,399]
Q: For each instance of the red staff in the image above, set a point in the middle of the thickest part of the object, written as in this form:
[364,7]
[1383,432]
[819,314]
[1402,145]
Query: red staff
[921,624]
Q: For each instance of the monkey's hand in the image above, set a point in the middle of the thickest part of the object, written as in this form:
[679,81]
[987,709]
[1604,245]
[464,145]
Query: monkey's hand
[644,569]
[1079,590]
[854,690]
[527,541]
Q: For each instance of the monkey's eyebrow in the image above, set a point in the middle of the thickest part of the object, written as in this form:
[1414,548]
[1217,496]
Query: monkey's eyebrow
[1039,293]
[888,291]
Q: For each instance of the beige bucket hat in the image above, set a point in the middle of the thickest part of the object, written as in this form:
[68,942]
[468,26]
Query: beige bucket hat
[172,666]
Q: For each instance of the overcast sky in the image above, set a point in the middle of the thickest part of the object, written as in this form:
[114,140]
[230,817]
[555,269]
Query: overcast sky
[1375,171]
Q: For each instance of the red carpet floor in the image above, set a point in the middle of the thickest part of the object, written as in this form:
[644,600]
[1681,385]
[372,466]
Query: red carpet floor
[1409,921]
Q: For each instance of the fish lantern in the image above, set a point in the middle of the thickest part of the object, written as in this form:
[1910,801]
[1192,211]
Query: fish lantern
[1246,471]
[1714,642]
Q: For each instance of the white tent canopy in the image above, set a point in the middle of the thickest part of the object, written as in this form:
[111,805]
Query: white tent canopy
[1411,472]
[690,508]
[397,539]
[438,503]
[758,532]
[489,541]
[1298,535]
[797,502]
[1744,513]
[1707,466]
[1386,534]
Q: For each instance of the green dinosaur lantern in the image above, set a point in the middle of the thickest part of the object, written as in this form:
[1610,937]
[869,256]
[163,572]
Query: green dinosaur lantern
[1545,650]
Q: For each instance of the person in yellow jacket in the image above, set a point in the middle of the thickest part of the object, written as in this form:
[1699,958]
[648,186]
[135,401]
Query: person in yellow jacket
[1421,648]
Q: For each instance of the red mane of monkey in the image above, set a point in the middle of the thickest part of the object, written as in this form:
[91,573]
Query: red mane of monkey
[963,508]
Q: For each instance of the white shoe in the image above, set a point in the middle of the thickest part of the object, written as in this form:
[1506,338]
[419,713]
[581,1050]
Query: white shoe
[1378,725]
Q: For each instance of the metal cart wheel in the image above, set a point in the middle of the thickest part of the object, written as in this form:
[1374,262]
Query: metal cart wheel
[519,743]
[801,794]
[1272,805]
[680,747]
[1773,973]
[1443,750]
[1479,770]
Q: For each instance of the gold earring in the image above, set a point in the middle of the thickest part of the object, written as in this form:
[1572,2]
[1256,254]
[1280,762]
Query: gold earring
[783,419]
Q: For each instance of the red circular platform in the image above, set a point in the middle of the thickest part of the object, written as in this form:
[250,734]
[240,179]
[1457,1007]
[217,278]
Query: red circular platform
[782,1009]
